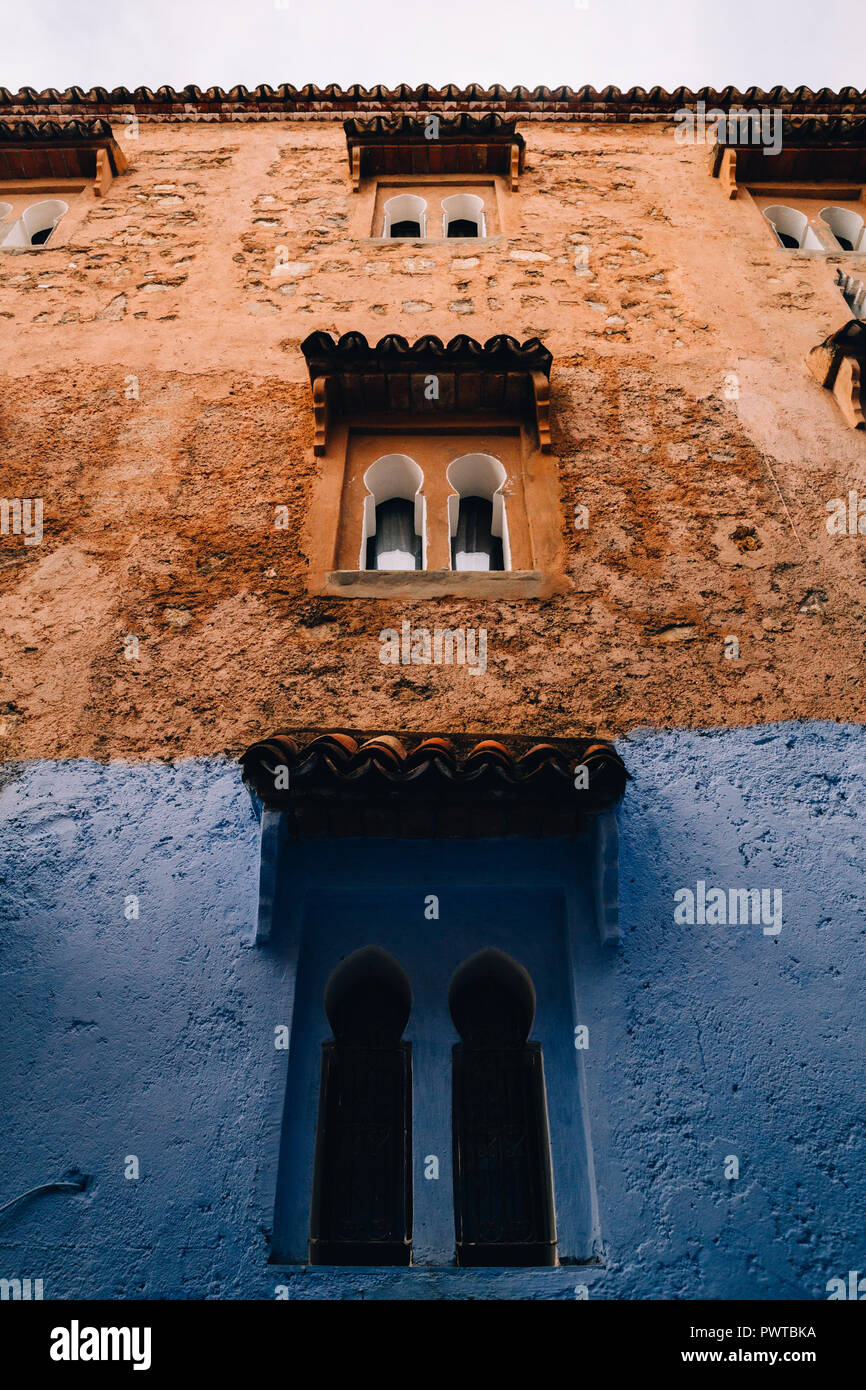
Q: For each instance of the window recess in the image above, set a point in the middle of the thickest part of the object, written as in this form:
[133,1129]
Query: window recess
[436,472]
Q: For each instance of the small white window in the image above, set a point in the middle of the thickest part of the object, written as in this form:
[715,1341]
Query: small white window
[792,229]
[36,225]
[476,514]
[846,226]
[393,535]
[405,215]
[463,215]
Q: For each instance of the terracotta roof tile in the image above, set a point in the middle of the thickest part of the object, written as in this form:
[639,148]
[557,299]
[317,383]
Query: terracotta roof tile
[352,353]
[56,149]
[431,786]
[333,101]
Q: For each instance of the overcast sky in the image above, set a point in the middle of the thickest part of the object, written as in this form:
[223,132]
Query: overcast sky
[54,43]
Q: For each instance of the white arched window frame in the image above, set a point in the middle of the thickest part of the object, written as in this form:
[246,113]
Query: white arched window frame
[479,475]
[405,207]
[845,223]
[39,217]
[464,207]
[394,475]
[788,222]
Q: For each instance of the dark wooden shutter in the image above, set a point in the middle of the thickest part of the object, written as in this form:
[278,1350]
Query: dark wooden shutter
[362,1200]
[502,1193]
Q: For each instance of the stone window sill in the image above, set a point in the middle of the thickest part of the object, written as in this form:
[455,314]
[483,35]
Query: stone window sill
[559,1282]
[500,584]
[420,242]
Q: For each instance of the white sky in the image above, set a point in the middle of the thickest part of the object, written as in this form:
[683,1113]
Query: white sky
[624,42]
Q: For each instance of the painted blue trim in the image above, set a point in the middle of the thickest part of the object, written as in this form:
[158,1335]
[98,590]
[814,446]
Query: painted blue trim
[269,867]
[606,878]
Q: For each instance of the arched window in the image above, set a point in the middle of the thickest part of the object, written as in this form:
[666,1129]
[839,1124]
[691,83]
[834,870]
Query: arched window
[393,530]
[792,228]
[405,215]
[846,226]
[35,226]
[362,1189]
[476,514]
[463,215]
[503,1198]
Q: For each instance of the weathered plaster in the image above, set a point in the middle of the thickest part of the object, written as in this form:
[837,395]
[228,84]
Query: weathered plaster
[156,400]
[155,1036]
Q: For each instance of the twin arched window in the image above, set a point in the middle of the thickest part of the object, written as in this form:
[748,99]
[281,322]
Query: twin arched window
[34,227]
[393,535]
[362,1193]
[795,232]
[462,216]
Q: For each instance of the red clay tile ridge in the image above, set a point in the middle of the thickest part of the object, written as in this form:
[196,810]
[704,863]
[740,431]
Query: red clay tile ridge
[352,353]
[332,102]
[432,786]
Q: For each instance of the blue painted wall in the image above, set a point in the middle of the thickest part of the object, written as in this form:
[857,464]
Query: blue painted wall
[155,1036]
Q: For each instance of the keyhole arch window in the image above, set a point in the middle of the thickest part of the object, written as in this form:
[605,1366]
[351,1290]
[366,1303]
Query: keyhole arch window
[463,216]
[36,224]
[848,227]
[405,216]
[477,515]
[362,1191]
[503,1190]
[792,228]
[393,535]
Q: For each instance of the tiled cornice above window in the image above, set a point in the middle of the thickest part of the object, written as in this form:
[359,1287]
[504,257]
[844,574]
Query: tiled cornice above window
[430,786]
[810,151]
[351,377]
[59,150]
[460,144]
[332,102]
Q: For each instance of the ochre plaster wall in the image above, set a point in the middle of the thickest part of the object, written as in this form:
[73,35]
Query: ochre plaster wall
[706,514]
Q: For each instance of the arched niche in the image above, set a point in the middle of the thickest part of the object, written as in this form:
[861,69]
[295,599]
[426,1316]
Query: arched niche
[846,225]
[503,1191]
[405,216]
[393,534]
[792,228]
[477,519]
[463,216]
[361,1211]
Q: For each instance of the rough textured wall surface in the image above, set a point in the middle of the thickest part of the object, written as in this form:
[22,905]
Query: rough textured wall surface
[156,400]
[154,1036]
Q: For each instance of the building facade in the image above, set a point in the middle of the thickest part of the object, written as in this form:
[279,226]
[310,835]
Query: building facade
[431,706]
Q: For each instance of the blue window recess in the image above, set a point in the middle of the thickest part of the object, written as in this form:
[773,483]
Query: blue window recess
[540,905]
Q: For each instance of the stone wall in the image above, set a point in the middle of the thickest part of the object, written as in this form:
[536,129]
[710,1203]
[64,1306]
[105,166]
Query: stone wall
[155,397]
